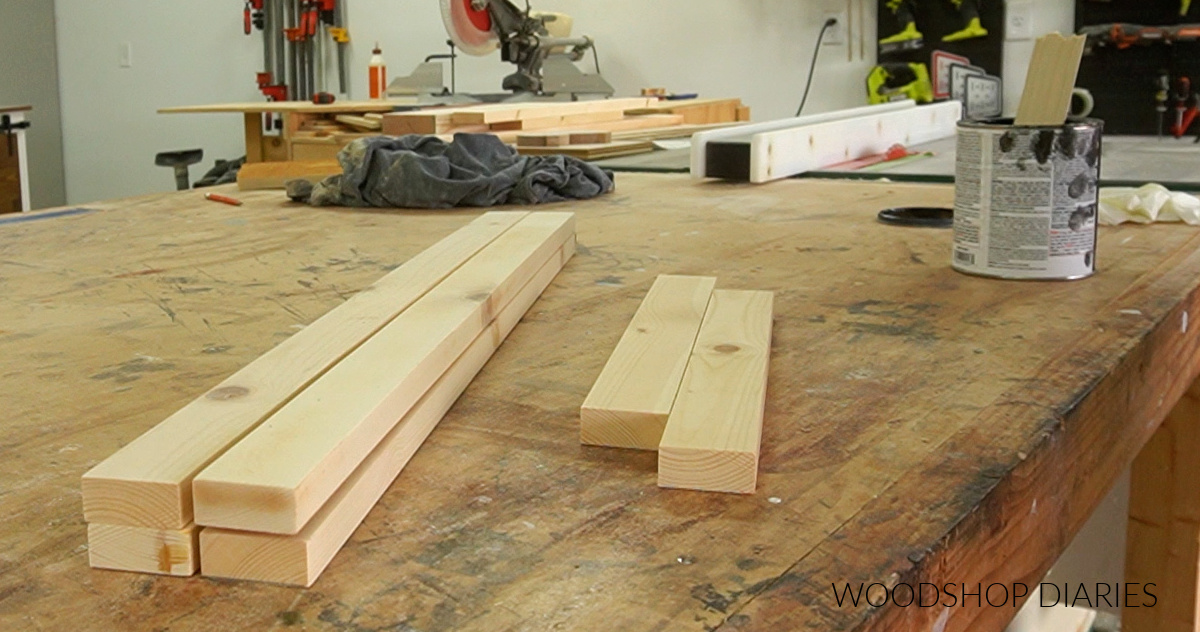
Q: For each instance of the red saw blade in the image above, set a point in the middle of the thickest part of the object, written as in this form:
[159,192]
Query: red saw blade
[470,28]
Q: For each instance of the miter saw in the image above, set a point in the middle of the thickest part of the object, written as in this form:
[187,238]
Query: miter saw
[538,43]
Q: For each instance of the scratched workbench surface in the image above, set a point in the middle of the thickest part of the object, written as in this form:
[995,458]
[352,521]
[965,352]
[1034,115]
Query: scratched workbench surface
[921,425]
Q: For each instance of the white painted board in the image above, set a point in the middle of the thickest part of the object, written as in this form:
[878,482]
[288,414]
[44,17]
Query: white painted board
[700,140]
[784,153]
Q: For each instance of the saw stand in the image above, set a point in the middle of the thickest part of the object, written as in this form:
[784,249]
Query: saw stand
[524,41]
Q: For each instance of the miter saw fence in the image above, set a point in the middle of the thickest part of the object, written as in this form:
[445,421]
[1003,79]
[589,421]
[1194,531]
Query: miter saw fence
[525,38]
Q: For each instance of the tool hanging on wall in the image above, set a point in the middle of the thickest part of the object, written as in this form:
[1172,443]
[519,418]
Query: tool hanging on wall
[1123,35]
[909,38]
[972,26]
[341,37]
[295,34]
[1161,95]
[896,81]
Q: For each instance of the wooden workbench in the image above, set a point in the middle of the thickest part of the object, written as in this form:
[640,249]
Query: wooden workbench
[921,425]
[14,161]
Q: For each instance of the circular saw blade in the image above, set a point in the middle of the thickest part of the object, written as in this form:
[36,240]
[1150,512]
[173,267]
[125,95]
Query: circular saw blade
[469,28]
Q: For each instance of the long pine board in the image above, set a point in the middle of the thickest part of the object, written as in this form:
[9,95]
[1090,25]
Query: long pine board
[630,401]
[143,550]
[148,482]
[712,438]
[503,112]
[300,559]
[306,107]
[277,477]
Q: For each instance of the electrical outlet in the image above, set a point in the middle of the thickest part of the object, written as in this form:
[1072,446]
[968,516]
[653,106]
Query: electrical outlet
[126,55]
[836,34]
[1019,19]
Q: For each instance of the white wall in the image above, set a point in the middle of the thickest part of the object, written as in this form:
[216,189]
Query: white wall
[184,52]
[1048,16]
[193,51]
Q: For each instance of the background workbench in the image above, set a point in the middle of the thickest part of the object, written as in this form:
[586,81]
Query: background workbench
[921,425]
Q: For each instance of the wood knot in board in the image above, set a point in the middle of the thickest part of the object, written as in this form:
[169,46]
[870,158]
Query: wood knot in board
[479,297]
[727,348]
[228,392]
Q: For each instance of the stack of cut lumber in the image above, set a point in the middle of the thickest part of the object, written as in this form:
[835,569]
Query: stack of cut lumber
[689,379]
[507,117]
[583,144]
[643,117]
[628,126]
[267,475]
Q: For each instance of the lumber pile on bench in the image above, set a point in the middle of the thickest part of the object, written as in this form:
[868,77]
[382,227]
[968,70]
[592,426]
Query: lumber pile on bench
[644,118]
[689,379]
[597,129]
[267,475]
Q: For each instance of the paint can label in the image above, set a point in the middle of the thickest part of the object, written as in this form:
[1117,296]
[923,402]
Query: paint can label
[1026,200]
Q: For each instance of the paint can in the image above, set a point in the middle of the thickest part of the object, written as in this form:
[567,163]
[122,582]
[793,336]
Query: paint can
[1026,199]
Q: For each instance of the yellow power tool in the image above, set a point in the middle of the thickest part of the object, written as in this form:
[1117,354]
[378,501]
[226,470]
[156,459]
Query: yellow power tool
[893,81]
[969,9]
[909,38]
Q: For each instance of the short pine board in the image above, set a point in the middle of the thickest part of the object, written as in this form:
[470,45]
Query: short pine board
[144,550]
[592,152]
[712,438]
[277,478]
[630,401]
[148,482]
[299,559]
[558,139]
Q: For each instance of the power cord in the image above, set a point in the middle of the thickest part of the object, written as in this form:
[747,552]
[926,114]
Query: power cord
[831,22]
[596,57]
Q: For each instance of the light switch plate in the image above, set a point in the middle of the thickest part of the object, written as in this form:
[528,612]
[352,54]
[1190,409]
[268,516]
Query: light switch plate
[126,53]
[1019,26]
